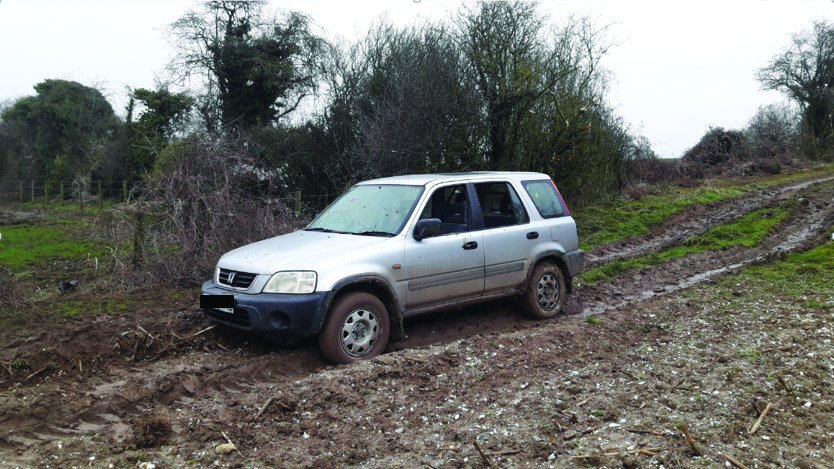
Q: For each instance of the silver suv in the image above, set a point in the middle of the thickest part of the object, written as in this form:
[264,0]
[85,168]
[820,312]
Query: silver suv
[396,247]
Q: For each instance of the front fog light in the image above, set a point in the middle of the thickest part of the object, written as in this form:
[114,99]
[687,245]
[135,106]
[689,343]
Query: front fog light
[291,282]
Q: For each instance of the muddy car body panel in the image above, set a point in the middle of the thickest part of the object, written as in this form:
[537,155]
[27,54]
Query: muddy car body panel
[491,230]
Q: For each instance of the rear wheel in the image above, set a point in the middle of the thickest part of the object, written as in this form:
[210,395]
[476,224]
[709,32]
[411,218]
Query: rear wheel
[545,295]
[356,328]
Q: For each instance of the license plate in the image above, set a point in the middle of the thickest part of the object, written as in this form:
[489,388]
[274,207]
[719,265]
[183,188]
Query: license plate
[225,303]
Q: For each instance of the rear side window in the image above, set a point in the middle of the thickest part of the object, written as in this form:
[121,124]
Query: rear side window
[500,205]
[545,198]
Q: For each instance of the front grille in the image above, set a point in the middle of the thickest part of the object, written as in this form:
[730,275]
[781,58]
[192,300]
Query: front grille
[239,279]
[240,317]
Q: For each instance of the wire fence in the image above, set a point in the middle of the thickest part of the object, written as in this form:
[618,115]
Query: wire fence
[177,235]
[57,194]
[98,193]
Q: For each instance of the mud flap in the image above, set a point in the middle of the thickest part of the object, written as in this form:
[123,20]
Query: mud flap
[395,319]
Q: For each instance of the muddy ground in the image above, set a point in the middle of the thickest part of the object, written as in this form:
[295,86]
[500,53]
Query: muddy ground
[612,383]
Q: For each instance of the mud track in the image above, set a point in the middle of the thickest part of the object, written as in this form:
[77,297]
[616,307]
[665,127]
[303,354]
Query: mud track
[98,383]
[695,221]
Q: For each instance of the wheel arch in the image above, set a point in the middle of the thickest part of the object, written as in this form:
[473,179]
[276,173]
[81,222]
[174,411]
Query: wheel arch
[377,286]
[558,258]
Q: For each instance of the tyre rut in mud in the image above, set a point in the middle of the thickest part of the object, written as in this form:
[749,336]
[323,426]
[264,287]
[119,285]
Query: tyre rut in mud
[693,222]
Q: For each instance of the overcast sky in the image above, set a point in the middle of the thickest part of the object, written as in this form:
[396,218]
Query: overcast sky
[681,67]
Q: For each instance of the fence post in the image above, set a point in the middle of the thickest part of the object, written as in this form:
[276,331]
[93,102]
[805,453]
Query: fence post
[124,190]
[45,194]
[139,240]
[21,192]
[81,196]
[297,205]
[100,199]
[62,193]
[32,188]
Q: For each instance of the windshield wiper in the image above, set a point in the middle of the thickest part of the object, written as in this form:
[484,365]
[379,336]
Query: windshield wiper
[324,230]
[375,233]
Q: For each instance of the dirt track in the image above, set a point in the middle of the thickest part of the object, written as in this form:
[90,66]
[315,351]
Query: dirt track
[144,386]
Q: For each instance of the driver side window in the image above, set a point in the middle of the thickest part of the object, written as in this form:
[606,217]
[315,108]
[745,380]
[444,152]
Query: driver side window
[451,205]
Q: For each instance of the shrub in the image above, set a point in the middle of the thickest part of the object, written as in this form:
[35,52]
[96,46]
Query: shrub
[774,131]
[206,198]
[11,295]
[718,147]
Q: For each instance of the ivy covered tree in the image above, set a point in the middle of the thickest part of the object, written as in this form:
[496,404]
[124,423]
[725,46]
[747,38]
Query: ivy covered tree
[60,134]
[164,114]
[254,69]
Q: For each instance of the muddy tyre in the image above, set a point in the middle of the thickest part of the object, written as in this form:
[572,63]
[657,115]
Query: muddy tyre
[356,328]
[546,291]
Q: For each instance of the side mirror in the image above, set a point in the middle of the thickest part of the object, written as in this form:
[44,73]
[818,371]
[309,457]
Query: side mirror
[427,228]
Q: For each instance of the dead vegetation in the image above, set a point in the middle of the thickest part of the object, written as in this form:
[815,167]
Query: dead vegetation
[151,432]
[760,149]
[718,147]
[211,197]
[12,296]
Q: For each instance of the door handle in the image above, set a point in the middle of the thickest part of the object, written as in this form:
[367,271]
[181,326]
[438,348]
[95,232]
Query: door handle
[533,235]
[470,245]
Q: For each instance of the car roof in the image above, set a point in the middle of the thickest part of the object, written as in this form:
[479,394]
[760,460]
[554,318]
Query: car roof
[425,179]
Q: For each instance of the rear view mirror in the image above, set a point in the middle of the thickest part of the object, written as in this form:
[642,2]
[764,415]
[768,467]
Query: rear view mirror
[427,228]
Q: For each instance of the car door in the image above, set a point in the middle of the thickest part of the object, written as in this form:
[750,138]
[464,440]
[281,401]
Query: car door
[450,266]
[508,236]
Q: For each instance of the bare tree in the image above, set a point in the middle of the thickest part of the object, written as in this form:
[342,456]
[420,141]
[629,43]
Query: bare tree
[518,61]
[805,72]
[399,102]
[774,130]
[425,116]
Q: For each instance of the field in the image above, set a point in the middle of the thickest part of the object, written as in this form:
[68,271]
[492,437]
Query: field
[699,335]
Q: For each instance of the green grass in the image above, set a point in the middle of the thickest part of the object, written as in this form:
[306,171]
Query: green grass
[20,364]
[605,223]
[71,310]
[75,308]
[25,245]
[90,208]
[806,276]
[748,231]
[763,182]
[593,320]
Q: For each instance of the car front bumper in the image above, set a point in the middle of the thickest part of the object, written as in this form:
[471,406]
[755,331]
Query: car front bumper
[274,316]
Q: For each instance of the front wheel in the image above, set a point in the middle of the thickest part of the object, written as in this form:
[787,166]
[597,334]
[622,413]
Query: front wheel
[356,328]
[545,294]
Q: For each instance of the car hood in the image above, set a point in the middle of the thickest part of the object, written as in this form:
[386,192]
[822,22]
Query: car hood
[300,250]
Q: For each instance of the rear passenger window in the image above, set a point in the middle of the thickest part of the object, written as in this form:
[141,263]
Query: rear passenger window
[545,198]
[500,205]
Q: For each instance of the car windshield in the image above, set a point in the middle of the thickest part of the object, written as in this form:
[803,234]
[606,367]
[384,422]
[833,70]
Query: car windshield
[372,210]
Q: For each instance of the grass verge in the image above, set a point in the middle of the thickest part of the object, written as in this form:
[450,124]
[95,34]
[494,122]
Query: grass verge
[805,276]
[22,245]
[748,231]
[608,222]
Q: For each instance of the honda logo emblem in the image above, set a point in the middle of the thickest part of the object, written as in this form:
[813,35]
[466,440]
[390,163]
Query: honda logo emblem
[232,277]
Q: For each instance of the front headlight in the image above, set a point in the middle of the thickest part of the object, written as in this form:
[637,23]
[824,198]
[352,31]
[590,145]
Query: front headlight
[291,282]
